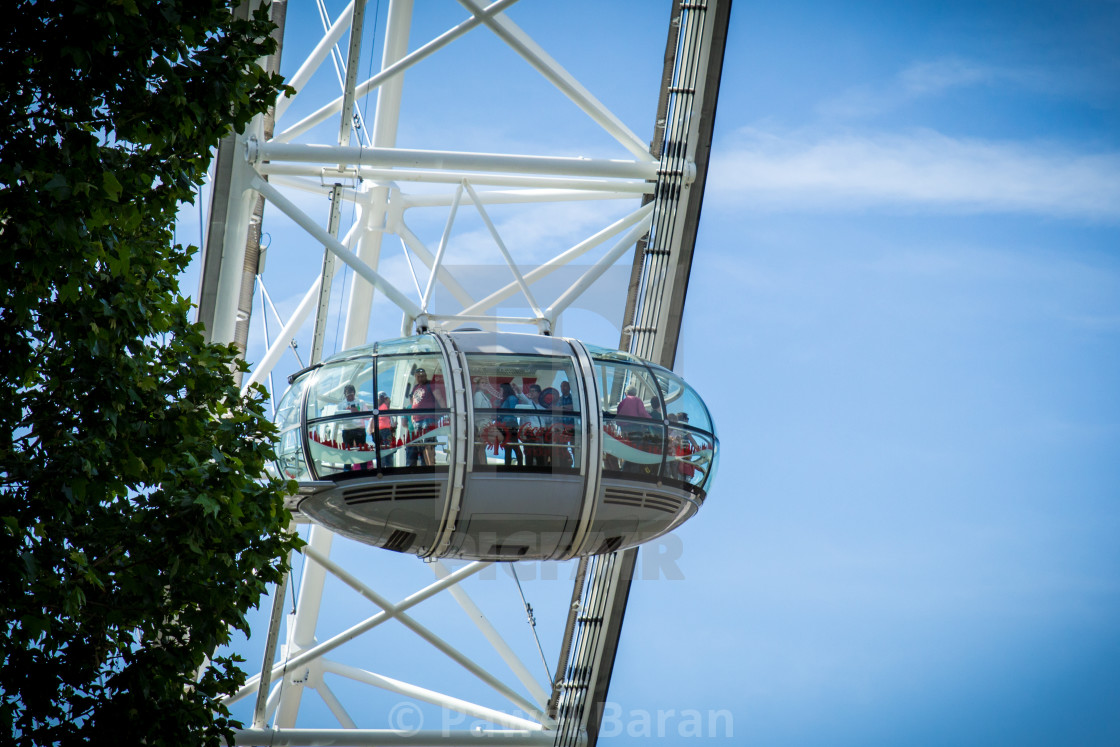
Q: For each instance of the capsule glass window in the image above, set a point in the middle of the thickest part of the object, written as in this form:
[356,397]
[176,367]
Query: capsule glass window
[339,403]
[681,403]
[690,457]
[290,460]
[526,413]
[633,436]
[413,425]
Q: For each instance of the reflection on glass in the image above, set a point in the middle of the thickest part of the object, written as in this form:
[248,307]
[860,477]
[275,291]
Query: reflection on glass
[626,389]
[342,445]
[691,457]
[341,388]
[288,411]
[526,412]
[290,463]
[427,441]
[413,427]
[543,442]
[408,346]
[633,447]
[682,403]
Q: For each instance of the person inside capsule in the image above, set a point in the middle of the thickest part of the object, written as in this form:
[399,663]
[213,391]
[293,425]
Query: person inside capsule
[424,396]
[354,433]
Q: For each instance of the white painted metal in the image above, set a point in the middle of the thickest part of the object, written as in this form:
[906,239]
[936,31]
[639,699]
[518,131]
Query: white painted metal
[508,31]
[374,212]
[391,737]
[443,160]
[425,302]
[505,254]
[621,247]
[241,201]
[311,64]
[283,340]
[431,696]
[276,198]
[479,619]
[369,623]
[394,610]
[536,188]
[395,69]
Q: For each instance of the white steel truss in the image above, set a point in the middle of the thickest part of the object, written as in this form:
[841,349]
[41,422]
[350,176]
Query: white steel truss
[392,192]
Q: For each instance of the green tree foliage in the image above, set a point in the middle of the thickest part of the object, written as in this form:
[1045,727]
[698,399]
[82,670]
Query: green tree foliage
[136,522]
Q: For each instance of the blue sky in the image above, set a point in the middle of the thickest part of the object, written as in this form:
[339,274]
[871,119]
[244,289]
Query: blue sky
[915,206]
[905,314]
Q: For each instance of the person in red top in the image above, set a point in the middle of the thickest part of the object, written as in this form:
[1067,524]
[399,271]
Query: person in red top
[424,397]
[632,406]
[384,422]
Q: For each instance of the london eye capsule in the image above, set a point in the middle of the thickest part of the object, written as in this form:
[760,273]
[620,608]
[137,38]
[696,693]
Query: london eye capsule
[495,446]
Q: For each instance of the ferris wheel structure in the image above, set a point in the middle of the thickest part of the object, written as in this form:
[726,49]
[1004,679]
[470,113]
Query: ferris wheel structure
[400,191]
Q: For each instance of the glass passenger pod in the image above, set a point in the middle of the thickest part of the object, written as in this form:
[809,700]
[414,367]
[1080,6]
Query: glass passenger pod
[655,426]
[558,449]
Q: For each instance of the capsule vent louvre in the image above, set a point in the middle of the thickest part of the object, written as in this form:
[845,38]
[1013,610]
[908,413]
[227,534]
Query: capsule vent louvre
[368,494]
[623,497]
[416,491]
[665,503]
[641,499]
[400,540]
[390,492]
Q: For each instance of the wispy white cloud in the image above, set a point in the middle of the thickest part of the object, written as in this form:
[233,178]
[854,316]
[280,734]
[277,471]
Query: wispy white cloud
[927,79]
[923,169]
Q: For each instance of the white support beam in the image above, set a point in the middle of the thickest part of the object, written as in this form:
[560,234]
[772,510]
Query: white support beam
[395,738]
[284,339]
[333,703]
[562,187]
[409,622]
[536,56]
[512,660]
[621,247]
[429,696]
[315,59]
[356,630]
[329,242]
[641,214]
[558,190]
[439,320]
[413,242]
[393,71]
[412,158]
[438,264]
[518,278]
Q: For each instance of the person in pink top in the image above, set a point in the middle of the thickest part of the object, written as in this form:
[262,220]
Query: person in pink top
[632,405]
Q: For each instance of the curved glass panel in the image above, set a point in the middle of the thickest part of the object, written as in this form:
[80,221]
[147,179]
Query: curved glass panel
[338,437]
[625,389]
[633,427]
[413,428]
[341,388]
[291,463]
[526,412]
[612,355]
[409,346]
[682,403]
[288,411]
[341,446]
[691,457]
[633,448]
